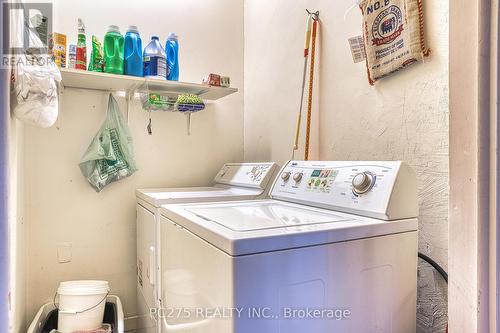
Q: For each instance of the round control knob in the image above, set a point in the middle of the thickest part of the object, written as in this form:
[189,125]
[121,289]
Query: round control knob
[363,182]
[297,177]
[285,175]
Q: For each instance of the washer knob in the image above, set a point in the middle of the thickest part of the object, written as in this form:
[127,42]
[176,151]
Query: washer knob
[297,177]
[363,182]
[285,175]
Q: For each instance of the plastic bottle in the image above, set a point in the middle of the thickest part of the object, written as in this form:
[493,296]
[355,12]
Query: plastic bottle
[133,52]
[172,51]
[72,56]
[113,50]
[155,62]
[81,47]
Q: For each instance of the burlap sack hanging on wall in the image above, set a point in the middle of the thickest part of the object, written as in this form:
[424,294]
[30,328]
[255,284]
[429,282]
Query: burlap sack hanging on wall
[393,33]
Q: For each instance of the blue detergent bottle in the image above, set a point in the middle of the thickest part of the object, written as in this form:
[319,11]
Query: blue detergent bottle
[155,60]
[172,51]
[133,52]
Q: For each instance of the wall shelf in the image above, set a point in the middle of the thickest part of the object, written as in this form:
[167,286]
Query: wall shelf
[72,78]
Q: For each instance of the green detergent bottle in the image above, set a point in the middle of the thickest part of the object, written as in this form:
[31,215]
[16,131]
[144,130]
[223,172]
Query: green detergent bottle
[113,50]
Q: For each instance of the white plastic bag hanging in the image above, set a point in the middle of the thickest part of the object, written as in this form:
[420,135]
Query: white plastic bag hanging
[35,81]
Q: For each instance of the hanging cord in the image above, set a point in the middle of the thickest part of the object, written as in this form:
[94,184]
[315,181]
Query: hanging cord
[311,84]
[354,5]
[438,268]
[435,265]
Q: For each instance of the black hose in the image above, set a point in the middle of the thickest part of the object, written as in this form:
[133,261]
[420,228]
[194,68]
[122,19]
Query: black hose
[435,265]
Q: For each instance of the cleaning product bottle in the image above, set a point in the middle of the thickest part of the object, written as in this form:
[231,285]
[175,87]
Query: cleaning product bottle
[155,64]
[172,51]
[113,50]
[133,52]
[96,62]
[81,47]
[72,56]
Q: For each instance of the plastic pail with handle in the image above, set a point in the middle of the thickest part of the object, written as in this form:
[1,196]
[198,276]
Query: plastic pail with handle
[81,305]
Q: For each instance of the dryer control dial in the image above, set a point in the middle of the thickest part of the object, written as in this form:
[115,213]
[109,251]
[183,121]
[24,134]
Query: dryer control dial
[285,175]
[363,182]
[297,177]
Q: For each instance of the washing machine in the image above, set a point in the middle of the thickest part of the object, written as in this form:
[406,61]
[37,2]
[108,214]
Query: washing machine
[334,250]
[234,181]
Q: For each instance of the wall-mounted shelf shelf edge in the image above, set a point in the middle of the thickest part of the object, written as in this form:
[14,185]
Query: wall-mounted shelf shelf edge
[72,78]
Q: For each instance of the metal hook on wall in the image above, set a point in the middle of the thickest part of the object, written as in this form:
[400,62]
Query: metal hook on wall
[315,14]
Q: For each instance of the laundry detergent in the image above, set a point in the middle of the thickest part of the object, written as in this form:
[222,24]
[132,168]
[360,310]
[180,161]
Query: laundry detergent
[113,50]
[155,60]
[172,51]
[133,52]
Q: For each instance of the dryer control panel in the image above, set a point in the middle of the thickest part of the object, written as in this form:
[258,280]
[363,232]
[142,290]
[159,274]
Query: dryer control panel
[254,175]
[383,189]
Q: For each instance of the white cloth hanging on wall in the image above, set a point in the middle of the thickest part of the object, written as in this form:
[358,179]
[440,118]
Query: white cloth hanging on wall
[35,81]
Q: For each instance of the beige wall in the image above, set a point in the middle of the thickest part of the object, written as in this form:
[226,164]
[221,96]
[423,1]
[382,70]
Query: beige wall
[403,117]
[15,211]
[62,208]
[17,229]
[473,166]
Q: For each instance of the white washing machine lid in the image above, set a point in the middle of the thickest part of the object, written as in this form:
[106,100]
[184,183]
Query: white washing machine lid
[161,196]
[262,216]
[256,226]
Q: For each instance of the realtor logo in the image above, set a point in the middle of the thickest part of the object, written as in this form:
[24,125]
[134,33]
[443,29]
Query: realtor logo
[26,28]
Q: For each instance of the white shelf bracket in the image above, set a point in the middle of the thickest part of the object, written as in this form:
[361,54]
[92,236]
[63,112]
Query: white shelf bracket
[189,124]
[128,96]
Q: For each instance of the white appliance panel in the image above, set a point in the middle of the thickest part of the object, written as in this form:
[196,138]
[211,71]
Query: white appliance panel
[366,277]
[390,188]
[184,290]
[255,175]
[146,269]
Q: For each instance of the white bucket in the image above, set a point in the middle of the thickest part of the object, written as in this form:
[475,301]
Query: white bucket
[81,305]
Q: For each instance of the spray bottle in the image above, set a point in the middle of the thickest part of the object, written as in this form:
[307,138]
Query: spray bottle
[81,47]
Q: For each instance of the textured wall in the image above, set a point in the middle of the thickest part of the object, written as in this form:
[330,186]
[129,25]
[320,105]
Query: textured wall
[404,117]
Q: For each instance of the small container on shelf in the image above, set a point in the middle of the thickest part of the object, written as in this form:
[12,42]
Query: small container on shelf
[57,48]
[217,80]
[212,80]
[72,56]
[189,103]
[157,102]
[225,81]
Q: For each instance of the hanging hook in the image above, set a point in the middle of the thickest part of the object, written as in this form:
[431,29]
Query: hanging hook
[150,127]
[315,15]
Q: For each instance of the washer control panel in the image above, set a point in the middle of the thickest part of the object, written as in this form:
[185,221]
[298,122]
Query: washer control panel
[255,175]
[383,189]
